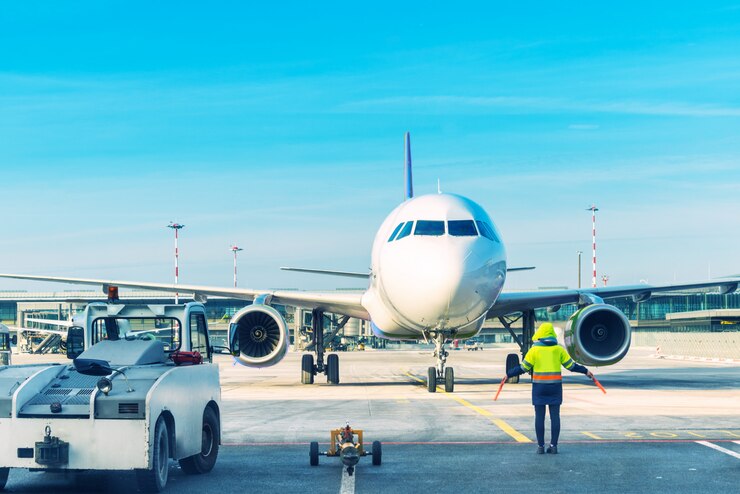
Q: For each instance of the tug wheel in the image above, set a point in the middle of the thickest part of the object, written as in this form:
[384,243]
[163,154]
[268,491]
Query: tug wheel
[432,379]
[313,454]
[307,369]
[377,453]
[155,479]
[3,477]
[204,461]
[512,361]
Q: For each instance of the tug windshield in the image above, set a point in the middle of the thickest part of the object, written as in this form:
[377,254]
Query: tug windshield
[168,330]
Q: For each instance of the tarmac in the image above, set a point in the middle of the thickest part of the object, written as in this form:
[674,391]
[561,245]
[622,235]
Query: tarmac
[663,426]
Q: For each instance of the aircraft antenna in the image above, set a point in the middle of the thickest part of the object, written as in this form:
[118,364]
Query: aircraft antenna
[235,249]
[176,227]
[439,187]
[593,210]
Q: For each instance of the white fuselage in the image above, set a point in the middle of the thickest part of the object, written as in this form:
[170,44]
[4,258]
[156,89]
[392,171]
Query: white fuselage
[438,265]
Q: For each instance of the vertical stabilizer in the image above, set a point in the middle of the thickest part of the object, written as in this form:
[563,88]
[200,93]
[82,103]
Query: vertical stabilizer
[409,193]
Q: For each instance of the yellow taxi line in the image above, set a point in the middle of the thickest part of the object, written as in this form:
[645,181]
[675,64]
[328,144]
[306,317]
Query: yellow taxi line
[501,424]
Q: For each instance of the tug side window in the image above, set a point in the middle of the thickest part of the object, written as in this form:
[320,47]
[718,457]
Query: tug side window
[199,336]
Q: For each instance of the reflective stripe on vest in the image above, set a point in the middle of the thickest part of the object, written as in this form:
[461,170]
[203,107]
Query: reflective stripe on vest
[548,377]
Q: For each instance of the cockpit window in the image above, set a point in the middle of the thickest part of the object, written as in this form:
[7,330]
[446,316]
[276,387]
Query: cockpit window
[430,228]
[395,232]
[406,231]
[462,228]
[487,231]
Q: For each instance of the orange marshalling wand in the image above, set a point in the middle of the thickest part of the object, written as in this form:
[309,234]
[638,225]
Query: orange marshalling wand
[501,386]
[596,382]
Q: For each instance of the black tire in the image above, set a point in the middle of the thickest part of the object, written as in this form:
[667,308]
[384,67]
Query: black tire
[449,380]
[377,453]
[3,477]
[313,454]
[512,361]
[155,480]
[332,368]
[432,379]
[307,369]
[204,461]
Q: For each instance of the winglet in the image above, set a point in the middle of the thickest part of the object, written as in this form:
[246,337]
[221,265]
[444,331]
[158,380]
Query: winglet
[407,168]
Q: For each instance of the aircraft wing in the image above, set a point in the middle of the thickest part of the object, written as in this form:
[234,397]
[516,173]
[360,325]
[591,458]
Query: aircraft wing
[346,303]
[510,302]
[36,330]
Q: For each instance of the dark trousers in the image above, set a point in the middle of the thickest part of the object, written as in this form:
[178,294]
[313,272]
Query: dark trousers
[539,424]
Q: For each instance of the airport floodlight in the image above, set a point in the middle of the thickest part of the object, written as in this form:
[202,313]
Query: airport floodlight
[176,227]
[235,249]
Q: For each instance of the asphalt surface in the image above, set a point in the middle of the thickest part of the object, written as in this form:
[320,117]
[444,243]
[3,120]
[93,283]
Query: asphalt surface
[656,430]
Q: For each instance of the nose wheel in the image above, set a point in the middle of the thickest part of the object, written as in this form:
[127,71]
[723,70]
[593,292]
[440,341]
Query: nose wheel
[440,373]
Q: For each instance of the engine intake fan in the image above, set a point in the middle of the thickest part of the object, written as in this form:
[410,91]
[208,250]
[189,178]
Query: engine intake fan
[598,334]
[258,336]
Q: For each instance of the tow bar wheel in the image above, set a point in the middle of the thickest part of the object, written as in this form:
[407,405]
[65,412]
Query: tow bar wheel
[377,453]
[204,461]
[3,477]
[155,480]
[313,454]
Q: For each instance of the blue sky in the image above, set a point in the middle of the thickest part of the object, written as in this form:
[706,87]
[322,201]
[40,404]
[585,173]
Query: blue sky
[281,128]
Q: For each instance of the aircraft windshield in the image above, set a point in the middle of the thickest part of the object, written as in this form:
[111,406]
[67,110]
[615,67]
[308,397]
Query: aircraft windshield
[164,329]
[462,228]
[395,232]
[430,228]
[406,230]
[487,231]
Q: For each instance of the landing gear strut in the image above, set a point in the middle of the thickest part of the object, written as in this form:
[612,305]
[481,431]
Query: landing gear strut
[331,366]
[440,372]
[525,342]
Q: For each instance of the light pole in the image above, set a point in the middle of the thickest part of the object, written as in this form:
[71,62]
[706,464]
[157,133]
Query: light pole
[235,249]
[177,227]
[579,268]
[593,210]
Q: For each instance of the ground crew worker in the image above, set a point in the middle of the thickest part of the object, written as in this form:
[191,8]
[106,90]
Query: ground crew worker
[544,360]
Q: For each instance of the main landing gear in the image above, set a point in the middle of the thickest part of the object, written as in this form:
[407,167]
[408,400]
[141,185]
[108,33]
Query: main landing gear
[440,373]
[331,366]
[525,342]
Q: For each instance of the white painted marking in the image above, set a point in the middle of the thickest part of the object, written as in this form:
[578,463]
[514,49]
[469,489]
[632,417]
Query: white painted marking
[720,448]
[348,482]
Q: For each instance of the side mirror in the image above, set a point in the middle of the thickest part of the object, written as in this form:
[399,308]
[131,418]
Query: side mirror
[234,340]
[14,340]
[75,342]
[91,366]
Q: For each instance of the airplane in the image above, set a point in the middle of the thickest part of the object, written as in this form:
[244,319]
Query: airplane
[438,271]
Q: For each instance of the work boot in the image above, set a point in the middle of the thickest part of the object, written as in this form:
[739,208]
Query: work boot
[540,450]
[553,450]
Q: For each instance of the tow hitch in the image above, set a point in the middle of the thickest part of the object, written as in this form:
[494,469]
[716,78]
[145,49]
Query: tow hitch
[51,451]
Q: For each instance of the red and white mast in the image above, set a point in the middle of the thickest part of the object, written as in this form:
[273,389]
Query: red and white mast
[593,210]
[235,249]
[177,227]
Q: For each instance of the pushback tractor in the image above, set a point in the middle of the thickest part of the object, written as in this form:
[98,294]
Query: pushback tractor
[140,391]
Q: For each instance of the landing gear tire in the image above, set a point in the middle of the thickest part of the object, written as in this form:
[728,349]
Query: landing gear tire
[332,368]
[313,454]
[377,453]
[432,379]
[307,369]
[449,380]
[512,362]
[155,480]
[204,461]
[5,471]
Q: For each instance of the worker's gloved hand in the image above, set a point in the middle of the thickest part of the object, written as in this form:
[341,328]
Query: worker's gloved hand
[590,374]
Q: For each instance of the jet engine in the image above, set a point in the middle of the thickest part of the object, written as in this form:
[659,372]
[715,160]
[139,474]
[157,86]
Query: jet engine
[258,336]
[598,334]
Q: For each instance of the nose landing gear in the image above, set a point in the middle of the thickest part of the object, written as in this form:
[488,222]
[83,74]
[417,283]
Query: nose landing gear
[440,373]
[330,367]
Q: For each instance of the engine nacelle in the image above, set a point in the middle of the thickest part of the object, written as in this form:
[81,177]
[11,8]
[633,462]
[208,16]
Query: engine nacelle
[598,334]
[258,336]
